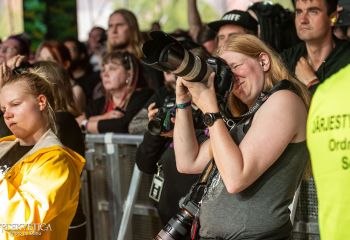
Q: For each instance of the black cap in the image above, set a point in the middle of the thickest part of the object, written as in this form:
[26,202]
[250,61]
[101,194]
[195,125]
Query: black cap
[236,17]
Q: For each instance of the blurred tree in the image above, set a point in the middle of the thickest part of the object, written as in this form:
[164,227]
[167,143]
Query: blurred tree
[47,19]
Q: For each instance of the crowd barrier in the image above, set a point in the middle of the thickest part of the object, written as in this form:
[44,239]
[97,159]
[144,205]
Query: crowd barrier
[115,194]
[306,218]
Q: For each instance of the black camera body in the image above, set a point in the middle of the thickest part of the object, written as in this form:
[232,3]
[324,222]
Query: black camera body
[162,121]
[165,53]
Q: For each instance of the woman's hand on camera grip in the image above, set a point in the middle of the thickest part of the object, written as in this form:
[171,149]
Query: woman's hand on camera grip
[152,111]
[182,93]
[203,94]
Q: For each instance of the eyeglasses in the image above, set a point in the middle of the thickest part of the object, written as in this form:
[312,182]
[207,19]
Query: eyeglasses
[8,50]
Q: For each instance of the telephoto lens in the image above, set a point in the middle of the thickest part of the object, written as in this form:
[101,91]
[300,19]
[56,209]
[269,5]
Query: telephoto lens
[177,227]
[165,53]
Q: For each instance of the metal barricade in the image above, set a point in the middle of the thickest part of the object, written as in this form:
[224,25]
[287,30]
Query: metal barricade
[306,218]
[114,192]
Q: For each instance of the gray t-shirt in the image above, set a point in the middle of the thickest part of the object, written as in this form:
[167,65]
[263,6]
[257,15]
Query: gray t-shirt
[260,211]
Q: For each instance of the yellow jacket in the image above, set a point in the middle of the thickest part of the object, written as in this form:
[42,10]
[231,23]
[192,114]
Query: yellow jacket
[39,194]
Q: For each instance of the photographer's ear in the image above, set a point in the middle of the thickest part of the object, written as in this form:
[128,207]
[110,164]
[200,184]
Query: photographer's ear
[264,61]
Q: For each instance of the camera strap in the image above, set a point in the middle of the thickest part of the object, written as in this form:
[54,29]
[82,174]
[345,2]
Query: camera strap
[232,123]
[210,171]
[281,85]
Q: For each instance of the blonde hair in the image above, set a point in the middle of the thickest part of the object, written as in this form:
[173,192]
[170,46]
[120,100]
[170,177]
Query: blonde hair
[252,46]
[62,90]
[38,84]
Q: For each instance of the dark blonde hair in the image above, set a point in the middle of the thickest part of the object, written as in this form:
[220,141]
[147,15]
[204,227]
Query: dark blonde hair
[136,40]
[252,46]
[62,90]
[38,84]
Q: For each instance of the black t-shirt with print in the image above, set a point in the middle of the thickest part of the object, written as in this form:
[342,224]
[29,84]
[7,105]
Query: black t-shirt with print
[12,156]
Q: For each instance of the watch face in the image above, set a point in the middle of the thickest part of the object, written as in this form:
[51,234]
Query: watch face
[208,119]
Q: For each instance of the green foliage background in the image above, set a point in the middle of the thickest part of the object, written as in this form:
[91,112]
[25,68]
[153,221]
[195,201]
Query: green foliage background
[49,20]
[34,17]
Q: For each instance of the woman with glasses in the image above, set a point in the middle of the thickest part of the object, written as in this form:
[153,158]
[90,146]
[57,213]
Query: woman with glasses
[12,46]
[124,95]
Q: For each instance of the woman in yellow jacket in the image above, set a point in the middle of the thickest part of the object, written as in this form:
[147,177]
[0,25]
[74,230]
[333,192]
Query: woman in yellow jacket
[39,177]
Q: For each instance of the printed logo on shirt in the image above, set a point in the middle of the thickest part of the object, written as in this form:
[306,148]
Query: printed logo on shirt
[3,171]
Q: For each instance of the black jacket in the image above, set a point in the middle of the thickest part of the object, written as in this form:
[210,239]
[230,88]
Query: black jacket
[158,149]
[337,59]
[119,125]
[4,131]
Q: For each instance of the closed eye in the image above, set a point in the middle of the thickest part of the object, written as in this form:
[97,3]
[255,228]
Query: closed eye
[235,66]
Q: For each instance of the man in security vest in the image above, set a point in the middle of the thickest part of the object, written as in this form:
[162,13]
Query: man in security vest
[328,138]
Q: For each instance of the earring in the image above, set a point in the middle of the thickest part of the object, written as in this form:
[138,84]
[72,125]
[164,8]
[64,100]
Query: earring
[127,81]
[333,20]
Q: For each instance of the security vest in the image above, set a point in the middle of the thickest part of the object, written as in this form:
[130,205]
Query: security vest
[328,140]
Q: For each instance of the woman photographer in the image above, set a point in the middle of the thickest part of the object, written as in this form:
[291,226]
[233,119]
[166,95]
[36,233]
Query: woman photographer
[261,160]
[39,177]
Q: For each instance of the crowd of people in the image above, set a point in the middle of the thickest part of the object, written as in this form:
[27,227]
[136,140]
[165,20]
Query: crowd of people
[279,61]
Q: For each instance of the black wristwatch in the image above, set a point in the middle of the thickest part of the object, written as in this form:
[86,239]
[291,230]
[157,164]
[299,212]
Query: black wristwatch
[210,118]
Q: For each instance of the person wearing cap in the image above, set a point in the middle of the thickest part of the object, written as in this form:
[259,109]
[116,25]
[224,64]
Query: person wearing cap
[235,21]
[320,55]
